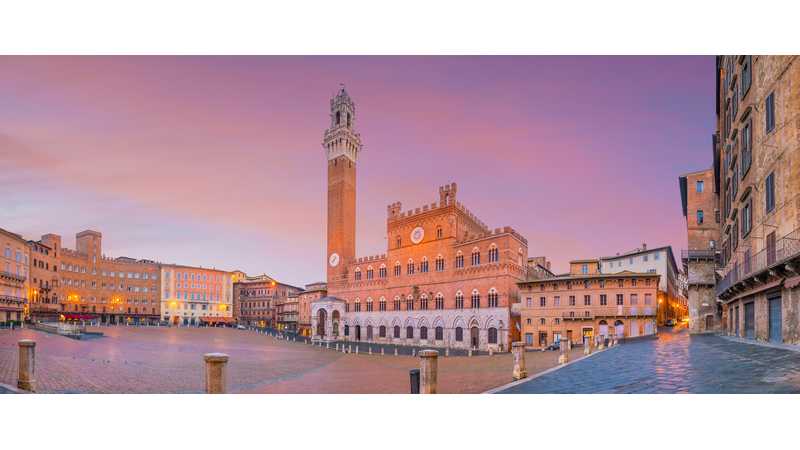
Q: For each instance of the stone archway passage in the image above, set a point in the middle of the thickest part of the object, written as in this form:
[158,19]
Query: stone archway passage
[322,317]
[335,319]
[474,335]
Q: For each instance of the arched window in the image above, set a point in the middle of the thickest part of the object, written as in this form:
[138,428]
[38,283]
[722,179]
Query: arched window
[382,304]
[494,254]
[493,298]
[459,260]
[397,304]
[439,263]
[369,332]
[410,303]
[423,302]
[357,305]
[423,265]
[338,117]
[382,271]
[439,333]
[439,301]
[459,300]
[476,257]
[369,303]
[399,241]
[397,331]
[493,335]
[347,330]
[410,267]
[476,299]
[439,232]
[370,273]
[409,332]
[382,331]
[423,332]
[459,334]
[397,268]
[358,273]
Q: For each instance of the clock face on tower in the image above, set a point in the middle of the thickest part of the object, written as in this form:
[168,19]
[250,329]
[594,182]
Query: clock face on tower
[334,259]
[417,234]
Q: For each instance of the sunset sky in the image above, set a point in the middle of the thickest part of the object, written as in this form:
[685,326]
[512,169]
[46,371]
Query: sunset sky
[217,161]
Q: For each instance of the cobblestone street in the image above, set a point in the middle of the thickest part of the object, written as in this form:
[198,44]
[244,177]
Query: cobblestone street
[675,363]
[170,360]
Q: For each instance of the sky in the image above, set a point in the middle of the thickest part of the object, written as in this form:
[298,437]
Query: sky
[218,161]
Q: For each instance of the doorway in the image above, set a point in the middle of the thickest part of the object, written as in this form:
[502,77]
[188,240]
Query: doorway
[358,332]
[474,337]
[750,320]
[775,319]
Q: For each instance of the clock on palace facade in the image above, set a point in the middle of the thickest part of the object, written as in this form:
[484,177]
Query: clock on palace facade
[417,234]
[334,259]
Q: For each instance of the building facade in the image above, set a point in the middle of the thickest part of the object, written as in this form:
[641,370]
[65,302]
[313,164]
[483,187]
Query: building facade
[192,296]
[44,280]
[312,292]
[587,304]
[446,279]
[14,278]
[671,303]
[105,289]
[256,299]
[757,172]
[287,311]
[699,205]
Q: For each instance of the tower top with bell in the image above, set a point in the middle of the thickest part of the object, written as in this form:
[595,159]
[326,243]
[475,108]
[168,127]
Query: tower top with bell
[341,138]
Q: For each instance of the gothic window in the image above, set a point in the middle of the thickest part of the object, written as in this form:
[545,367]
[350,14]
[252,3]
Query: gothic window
[382,331]
[493,297]
[382,271]
[409,332]
[397,331]
[439,301]
[439,333]
[494,254]
[357,305]
[370,273]
[476,299]
[439,263]
[439,232]
[459,334]
[476,257]
[423,333]
[399,241]
[423,302]
[423,266]
[397,269]
[358,273]
[493,335]
[347,330]
[459,300]
[459,260]
[410,267]
[369,304]
[382,304]
[409,303]
[397,303]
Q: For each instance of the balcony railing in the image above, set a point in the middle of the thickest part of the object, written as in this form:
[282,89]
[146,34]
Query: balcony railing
[609,312]
[706,254]
[13,276]
[744,266]
[12,301]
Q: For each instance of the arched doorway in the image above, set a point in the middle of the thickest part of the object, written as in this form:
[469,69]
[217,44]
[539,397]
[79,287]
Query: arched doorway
[335,324]
[603,328]
[369,332]
[492,335]
[322,317]
[358,332]
[474,335]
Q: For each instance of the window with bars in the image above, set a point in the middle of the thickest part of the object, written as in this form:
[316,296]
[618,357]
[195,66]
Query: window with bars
[423,302]
[382,272]
[476,258]
[494,255]
[439,264]
[439,301]
[423,266]
[459,300]
[397,269]
[493,298]
[459,261]
[382,305]
[476,300]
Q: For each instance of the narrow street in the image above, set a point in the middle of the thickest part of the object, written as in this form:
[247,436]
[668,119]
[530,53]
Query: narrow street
[675,362]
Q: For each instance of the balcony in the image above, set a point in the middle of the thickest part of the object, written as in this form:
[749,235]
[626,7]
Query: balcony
[13,303]
[12,276]
[768,260]
[699,255]
[609,312]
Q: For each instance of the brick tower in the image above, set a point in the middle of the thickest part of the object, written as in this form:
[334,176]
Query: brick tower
[342,146]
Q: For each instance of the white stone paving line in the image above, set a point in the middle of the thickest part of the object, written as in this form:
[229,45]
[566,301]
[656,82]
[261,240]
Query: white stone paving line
[545,372]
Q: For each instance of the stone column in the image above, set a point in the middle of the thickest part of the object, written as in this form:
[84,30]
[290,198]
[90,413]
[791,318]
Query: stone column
[587,346]
[518,350]
[26,378]
[215,372]
[429,367]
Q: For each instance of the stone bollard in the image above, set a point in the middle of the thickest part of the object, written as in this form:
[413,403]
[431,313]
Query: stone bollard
[469,352]
[357,349]
[382,351]
[564,346]
[518,350]
[370,350]
[587,347]
[447,351]
[215,372]
[337,347]
[26,378]
[413,352]
[395,351]
[349,349]
[602,343]
[429,367]
[327,345]
[491,351]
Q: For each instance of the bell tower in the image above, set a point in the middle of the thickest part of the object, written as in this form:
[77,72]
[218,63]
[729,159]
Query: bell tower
[342,145]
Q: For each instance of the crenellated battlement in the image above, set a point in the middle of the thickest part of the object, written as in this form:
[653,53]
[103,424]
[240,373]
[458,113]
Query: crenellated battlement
[493,233]
[447,197]
[368,259]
